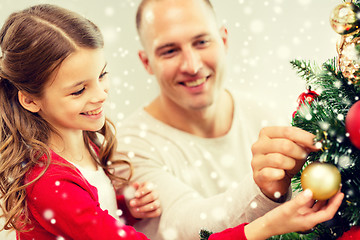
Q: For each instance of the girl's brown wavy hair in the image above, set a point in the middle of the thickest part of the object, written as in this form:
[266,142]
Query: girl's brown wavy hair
[33,43]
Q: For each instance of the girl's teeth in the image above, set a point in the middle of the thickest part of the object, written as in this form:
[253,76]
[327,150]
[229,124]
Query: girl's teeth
[93,112]
[195,83]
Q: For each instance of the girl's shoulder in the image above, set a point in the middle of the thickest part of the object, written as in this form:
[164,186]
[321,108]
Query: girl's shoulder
[53,171]
[56,180]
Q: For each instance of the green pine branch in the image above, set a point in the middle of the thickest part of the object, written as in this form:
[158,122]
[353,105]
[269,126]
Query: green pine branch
[325,117]
[205,234]
[304,69]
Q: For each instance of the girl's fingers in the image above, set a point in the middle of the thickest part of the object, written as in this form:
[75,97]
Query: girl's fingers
[144,189]
[150,207]
[144,199]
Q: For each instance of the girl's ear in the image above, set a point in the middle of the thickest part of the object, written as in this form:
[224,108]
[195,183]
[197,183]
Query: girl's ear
[28,102]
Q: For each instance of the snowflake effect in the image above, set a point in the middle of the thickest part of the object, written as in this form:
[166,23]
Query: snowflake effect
[170,234]
[129,192]
[287,37]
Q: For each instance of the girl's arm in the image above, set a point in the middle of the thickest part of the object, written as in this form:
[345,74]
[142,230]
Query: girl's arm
[299,214]
[61,203]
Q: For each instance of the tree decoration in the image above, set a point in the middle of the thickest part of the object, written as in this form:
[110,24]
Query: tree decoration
[352,124]
[323,179]
[344,18]
[306,97]
[349,58]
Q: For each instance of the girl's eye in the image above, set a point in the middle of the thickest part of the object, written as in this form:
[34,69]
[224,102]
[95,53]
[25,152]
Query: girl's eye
[103,75]
[78,92]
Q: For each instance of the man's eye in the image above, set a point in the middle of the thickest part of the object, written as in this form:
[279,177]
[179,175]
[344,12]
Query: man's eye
[103,74]
[78,92]
[202,43]
[168,53]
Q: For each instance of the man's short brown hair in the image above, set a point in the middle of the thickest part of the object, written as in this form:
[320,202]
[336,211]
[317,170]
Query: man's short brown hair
[142,5]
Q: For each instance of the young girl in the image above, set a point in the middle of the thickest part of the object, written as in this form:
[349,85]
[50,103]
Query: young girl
[55,142]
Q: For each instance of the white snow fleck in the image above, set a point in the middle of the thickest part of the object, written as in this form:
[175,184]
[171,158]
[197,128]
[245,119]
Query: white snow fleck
[129,192]
[48,214]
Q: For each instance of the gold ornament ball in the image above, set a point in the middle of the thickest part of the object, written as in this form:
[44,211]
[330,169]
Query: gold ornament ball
[323,179]
[344,18]
[349,59]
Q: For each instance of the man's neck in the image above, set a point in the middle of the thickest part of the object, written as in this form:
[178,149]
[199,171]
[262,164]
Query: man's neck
[211,122]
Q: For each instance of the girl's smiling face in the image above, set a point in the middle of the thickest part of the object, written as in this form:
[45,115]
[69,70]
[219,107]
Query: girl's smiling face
[73,98]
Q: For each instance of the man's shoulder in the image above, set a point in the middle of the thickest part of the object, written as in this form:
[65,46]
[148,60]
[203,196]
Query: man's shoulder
[135,120]
[136,115]
[141,124]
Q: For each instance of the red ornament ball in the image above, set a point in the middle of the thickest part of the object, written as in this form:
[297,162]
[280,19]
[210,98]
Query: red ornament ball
[353,233]
[352,124]
[307,96]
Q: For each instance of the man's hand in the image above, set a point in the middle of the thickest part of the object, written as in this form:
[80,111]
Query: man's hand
[278,154]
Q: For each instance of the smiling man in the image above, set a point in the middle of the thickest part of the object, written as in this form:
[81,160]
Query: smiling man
[197,141]
[187,56]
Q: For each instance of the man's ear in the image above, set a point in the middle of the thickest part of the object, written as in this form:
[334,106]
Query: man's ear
[145,61]
[28,102]
[224,36]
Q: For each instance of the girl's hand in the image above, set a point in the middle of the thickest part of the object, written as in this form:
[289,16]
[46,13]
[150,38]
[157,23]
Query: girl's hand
[298,214]
[146,203]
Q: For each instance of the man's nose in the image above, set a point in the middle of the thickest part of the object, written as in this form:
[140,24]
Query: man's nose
[191,62]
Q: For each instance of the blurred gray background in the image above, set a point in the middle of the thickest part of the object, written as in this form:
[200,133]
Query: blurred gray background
[263,37]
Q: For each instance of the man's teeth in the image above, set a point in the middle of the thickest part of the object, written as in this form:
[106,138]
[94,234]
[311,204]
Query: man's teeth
[195,83]
[94,112]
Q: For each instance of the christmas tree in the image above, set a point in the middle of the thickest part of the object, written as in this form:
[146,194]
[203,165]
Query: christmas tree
[330,109]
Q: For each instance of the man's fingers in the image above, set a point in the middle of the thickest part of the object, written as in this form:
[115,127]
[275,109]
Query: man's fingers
[269,174]
[277,160]
[297,135]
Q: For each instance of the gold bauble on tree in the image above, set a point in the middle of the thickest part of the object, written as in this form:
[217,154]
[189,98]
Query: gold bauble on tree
[323,179]
[344,19]
[349,58]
